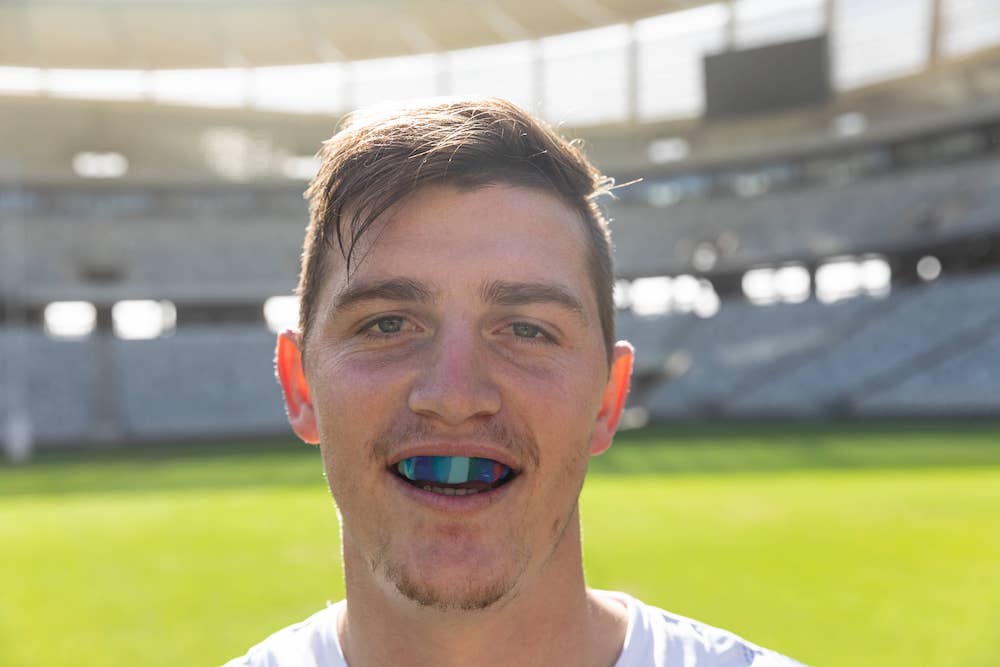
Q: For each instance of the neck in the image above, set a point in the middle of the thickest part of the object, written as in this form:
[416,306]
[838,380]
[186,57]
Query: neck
[549,618]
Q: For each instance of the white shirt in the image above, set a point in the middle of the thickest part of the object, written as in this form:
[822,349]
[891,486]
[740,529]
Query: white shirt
[654,638]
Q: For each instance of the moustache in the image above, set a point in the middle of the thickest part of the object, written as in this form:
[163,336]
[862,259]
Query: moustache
[420,429]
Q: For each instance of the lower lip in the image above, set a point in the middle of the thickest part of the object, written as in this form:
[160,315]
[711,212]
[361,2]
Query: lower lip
[470,502]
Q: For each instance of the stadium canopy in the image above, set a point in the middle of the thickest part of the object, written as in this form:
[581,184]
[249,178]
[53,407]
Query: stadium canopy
[161,34]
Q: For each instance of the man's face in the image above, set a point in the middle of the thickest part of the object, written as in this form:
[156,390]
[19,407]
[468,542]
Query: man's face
[457,384]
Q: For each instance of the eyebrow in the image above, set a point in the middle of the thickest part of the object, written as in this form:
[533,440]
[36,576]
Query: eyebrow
[496,292]
[505,293]
[395,289]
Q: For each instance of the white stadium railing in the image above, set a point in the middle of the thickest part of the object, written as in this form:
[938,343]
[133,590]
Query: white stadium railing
[647,70]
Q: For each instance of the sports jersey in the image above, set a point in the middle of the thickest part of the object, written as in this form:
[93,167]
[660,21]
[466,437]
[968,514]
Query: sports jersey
[654,638]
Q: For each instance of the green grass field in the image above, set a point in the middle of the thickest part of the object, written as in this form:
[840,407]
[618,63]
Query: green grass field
[851,545]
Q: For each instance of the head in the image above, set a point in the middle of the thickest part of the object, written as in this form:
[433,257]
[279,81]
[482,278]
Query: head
[456,360]
[378,158]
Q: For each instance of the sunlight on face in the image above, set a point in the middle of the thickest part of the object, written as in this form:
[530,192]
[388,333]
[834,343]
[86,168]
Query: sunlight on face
[470,328]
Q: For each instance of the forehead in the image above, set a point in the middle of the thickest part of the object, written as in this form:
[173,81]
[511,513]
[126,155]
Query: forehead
[444,235]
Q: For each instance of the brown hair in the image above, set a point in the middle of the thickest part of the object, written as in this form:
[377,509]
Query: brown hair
[378,158]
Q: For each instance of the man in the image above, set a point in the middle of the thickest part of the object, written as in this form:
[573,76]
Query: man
[457,366]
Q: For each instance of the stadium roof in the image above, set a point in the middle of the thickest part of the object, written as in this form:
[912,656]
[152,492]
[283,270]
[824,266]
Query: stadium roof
[161,34]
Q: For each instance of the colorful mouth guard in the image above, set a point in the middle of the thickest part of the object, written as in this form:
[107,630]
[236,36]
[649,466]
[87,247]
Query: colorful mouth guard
[452,469]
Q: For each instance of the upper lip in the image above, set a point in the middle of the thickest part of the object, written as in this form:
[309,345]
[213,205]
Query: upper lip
[472,450]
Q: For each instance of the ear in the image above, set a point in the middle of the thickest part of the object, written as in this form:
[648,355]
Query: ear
[613,399]
[288,362]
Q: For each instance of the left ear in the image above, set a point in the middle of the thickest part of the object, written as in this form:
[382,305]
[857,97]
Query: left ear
[613,399]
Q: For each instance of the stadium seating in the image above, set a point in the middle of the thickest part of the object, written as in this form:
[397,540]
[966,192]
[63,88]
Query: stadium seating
[928,346]
[745,344]
[900,209]
[964,384]
[200,382]
[56,381]
[924,350]
[915,323]
[654,338]
[197,245]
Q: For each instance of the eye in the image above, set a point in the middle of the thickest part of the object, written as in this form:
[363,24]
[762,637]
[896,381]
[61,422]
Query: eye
[525,330]
[530,332]
[385,326]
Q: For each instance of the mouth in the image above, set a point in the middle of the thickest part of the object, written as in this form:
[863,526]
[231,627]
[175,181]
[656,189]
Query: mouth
[453,475]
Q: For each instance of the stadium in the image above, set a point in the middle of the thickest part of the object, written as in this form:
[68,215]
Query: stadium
[807,244]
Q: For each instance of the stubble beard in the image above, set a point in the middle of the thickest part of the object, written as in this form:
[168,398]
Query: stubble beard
[469,595]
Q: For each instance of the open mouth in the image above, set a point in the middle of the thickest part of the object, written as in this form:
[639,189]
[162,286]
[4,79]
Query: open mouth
[453,475]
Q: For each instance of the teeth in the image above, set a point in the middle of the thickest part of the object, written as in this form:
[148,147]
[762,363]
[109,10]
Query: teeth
[449,491]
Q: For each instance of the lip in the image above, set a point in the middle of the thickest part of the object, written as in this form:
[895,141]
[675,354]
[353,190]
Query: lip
[454,504]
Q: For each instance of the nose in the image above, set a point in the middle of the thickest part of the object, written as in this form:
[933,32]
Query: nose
[455,384]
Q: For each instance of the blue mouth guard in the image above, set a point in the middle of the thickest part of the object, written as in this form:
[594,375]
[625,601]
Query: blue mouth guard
[452,469]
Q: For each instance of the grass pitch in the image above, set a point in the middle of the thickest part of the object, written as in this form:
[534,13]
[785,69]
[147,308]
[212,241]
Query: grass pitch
[860,545]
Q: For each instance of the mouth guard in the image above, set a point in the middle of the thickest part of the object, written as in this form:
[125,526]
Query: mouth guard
[452,469]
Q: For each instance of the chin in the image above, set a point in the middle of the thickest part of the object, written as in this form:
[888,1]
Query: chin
[468,599]
[452,588]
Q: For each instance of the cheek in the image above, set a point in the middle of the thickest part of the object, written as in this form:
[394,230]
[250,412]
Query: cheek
[344,389]
[354,403]
[565,397]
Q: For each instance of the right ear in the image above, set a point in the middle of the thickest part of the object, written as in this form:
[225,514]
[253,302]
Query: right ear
[288,362]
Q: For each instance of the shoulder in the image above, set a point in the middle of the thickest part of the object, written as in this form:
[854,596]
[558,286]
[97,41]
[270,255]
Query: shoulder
[310,643]
[658,638]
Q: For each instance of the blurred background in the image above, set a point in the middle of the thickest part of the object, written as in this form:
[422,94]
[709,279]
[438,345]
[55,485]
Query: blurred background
[812,248]
[815,233]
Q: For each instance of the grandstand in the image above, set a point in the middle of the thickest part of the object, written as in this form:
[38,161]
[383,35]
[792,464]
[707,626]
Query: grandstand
[813,360]
[828,259]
